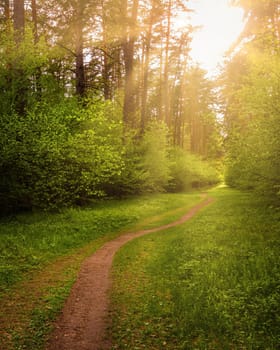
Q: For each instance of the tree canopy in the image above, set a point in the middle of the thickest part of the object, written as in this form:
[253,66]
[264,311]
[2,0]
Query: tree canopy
[251,101]
[102,99]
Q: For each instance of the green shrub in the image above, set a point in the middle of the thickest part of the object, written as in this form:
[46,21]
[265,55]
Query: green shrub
[146,163]
[155,162]
[189,171]
[57,157]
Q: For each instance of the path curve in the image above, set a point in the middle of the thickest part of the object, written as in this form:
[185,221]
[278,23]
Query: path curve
[84,319]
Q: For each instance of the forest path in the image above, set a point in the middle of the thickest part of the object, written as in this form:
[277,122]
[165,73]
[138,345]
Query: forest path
[85,316]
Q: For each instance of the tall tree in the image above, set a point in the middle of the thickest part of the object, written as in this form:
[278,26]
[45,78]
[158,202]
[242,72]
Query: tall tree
[19,19]
[167,115]
[200,115]
[262,22]
[111,47]
[131,15]
[79,48]
[7,9]
[251,102]
[146,61]
[179,88]
[35,20]
[20,79]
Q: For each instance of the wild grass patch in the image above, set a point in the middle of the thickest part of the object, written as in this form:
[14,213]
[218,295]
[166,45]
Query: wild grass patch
[41,255]
[29,241]
[211,283]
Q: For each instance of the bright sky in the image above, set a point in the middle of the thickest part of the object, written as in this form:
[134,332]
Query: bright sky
[222,25]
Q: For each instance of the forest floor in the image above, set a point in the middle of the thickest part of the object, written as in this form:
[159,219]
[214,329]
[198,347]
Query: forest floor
[42,253]
[211,282]
[85,316]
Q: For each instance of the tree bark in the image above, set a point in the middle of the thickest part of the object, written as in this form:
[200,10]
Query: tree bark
[19,20]
[7,10]
[167,116]
[35,21]
[80,68]
[146,63]
[129,85]
[38,87]
[20,82]
[105,52]
[160,89]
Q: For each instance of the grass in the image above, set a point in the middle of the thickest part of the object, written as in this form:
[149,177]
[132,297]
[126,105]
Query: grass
[211,283]
[30,241]
[41,254]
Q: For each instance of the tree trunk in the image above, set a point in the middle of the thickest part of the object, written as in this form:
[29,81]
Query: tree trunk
[146,58]
[167,116]
[35,21]
[7,10]
[19,19]
[160,89]
[19,79]
[117,68]
[129,86]
[80,68]
[38,87]
[105,53]
[179,87]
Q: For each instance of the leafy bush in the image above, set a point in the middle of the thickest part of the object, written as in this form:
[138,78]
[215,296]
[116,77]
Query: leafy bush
[59,156]
[155,162]
[188,171]
[26,73]
[253,146]
[146,163]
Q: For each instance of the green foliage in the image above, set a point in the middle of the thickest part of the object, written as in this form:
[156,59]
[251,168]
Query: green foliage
[253,134]
[154,148]
[188,171]
[199,115]
[58,156]
[28,241]
[152,166]
[25,73]
[145,162]
[70,153]
[57,150]
[211,283]
[251,94]
[55,245]
[132,179]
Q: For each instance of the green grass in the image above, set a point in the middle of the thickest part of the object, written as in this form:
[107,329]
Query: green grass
[41,255]
[29,241]
[211,283]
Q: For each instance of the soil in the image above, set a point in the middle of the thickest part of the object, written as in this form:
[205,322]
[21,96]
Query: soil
[85,317]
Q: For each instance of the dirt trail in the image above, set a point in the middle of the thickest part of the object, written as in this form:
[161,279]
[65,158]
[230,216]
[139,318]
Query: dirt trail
[85,316]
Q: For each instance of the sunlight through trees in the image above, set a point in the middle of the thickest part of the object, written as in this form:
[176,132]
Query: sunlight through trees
[88,89]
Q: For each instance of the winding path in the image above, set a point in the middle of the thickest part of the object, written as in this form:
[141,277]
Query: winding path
[85,316]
